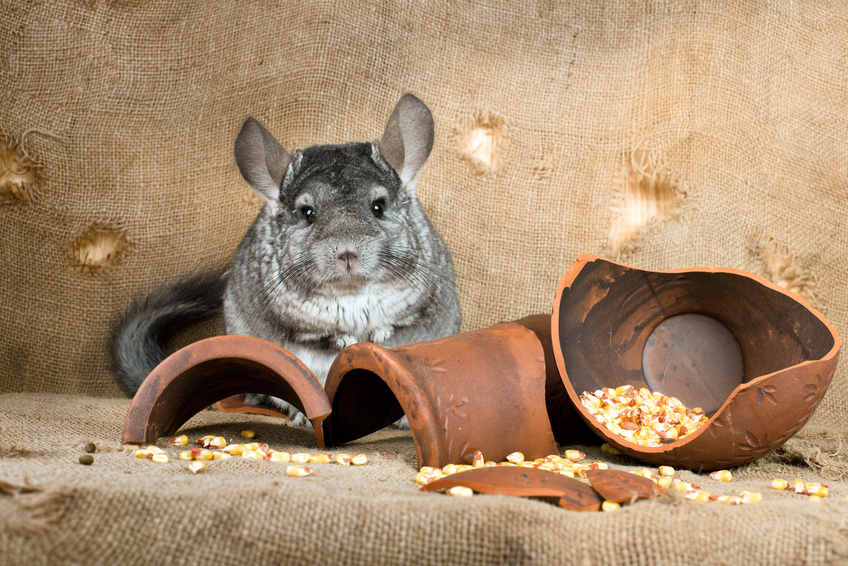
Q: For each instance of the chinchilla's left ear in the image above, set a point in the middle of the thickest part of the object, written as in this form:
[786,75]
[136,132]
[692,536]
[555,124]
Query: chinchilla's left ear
[408,139]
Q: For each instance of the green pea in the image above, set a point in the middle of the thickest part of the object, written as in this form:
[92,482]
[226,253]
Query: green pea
[91,448]
[86,459]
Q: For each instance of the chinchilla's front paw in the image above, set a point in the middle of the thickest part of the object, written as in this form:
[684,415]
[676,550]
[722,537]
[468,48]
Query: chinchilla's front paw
[344,340]
[402,423]
[382,335]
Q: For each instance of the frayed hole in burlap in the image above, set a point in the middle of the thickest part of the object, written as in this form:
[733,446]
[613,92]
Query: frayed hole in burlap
[15,452]
[482,140]
[99,247]
[783,267]
[644,195]
[20,174]
[38,508]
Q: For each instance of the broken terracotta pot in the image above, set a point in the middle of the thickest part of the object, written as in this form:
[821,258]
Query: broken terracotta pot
[482,390]
[215,369]
[756,357]
[567,426]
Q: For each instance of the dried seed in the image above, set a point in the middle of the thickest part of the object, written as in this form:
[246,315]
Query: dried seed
[359,460]
[515,458]
[343,459]
[299,458]
[608,506]
[186,455]
[298,471]
[666,471]
[751,497]
[460,491]
[180,440]
[160,458]
[217,442]
[220,456]
[779,484]
[247,433]
[197,467]
[477,460]
[280,457]
[86,459]
[574,455]
[234,449]
[665,481]
[90,448]
[320,459]
[142,453]
[722,475]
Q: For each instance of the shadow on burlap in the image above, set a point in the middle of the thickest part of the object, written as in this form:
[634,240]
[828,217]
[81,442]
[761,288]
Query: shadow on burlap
[664,135]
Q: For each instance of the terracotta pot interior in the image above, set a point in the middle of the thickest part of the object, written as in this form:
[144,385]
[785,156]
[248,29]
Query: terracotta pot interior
[369,405]
[693,335]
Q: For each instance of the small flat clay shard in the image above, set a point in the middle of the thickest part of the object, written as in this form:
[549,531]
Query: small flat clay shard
[566,492]
[622,487]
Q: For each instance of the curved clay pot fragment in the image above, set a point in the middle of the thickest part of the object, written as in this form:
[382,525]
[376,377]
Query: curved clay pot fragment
[756,357]
[550,486]
[482,390]
[213,369]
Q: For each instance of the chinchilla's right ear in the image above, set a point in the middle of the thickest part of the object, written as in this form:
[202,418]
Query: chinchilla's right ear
[261,160]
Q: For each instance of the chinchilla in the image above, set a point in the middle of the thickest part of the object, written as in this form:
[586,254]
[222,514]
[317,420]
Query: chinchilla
[341,252]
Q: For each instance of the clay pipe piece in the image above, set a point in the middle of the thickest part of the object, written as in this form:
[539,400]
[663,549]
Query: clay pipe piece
[756,357]
[482,390]
[207,371]
[622,487]
[524,482]
[567,426]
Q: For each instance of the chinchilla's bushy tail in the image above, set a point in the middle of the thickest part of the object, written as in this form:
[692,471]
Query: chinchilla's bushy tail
[135,344]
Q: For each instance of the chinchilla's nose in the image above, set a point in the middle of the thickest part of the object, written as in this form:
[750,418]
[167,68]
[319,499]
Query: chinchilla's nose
[348,260]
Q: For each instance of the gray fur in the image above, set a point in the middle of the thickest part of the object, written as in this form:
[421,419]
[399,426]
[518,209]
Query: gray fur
[366,265]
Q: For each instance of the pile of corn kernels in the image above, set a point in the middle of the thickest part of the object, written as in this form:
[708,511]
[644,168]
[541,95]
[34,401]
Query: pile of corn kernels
[214,447]
[641,416]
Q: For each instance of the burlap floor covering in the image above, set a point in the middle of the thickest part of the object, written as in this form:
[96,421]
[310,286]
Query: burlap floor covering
[662,134]
[125,510]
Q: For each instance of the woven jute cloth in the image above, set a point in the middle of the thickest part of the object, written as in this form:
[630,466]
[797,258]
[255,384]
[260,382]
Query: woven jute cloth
[122,509]
[661,134]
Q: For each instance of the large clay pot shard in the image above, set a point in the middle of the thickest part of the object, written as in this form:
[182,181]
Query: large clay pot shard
[213,369]
[756,357]
[482,390]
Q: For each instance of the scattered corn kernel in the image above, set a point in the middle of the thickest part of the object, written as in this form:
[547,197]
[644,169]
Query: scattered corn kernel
[220,456]
[234,449]
[186,455]
[666,471]
[197,467]
[751,497]
[320,459]
[611,450]
[202,454]
[251,455]
[608,506]
[779,484]
[154,449]
[299,458]
[359,460]
[722,475]
[217,443]
[298,471]
[515,458]
[247,433]
[180,440]
[460,491]
[574,455]
[280,457]
[698,495]
[142,453]
[160,458]
[665,481]
[477,460]
[343,459]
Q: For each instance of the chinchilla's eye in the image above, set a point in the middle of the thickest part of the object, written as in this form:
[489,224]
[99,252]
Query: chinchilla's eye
[378,207]
[308,214]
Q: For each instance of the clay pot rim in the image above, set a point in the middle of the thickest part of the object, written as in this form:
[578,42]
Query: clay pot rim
[568,278]
[421,417]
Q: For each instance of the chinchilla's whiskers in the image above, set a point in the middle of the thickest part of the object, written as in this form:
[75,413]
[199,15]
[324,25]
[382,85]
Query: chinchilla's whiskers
[417,273]
[294,278]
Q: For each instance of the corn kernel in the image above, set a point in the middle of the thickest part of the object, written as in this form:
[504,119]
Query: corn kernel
[203,454]
[160,458]
[343,459]
[779,484]
[422,478]
[477,460]
[298,471]
[251,455]
[817,490]
[722,475]
[154,449]
[181,440]
[515,458]
[666,471]
[751,497]
[698,495]
[247,433]
[220,456]
[142,453]
[186,455]
[234,449]
[359,460]
[197,467]
[665,481]
[449,469]
[319,459]
[217,442]
[280,457]
[574,455]
[608,506]
[299,458]
[460,491]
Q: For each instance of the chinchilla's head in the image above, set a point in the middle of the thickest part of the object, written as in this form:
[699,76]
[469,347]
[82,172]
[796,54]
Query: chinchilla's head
[341,216]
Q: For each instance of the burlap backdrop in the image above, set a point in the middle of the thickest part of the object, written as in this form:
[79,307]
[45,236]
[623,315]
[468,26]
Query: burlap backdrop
[662,134]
